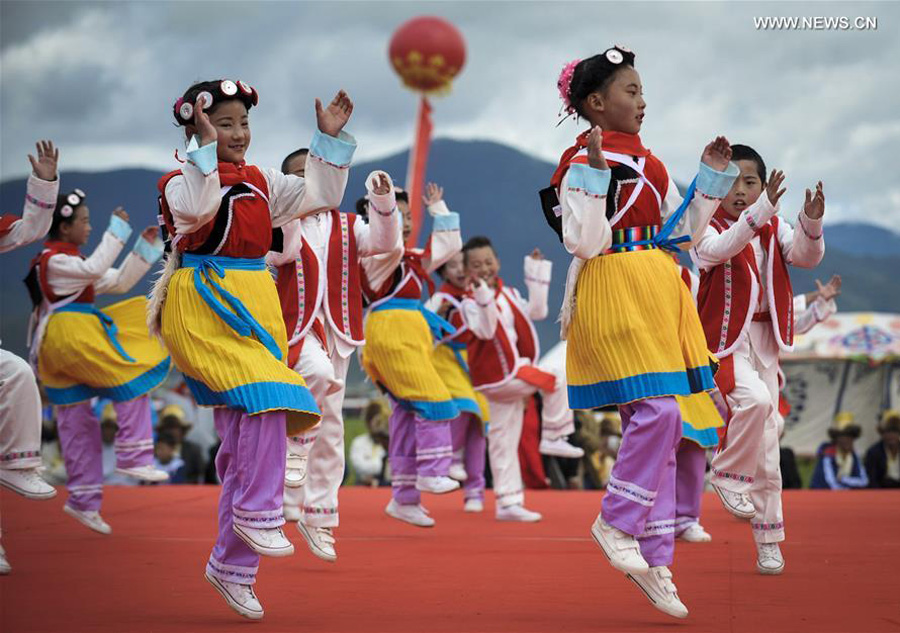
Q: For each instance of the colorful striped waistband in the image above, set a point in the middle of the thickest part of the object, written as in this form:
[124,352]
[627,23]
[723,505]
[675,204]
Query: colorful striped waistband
[635,238]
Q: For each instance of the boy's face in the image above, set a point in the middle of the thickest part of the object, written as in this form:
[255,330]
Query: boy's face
[406,214]
[482,263]
[297,166]
[455,271]
[745,190]
[165,453]
[845,442]
[232,124]
[79,229]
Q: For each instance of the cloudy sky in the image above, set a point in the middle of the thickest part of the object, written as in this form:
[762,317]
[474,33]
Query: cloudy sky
[100,79]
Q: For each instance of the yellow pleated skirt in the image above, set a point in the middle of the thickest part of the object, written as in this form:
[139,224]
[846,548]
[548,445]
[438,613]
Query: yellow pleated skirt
[452,366]
[635,333]
[398,356]
[700,419]
[78,360]
[223,368]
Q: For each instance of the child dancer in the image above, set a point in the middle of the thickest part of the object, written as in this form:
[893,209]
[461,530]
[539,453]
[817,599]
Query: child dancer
[634,336]
[321,299]
[451,360]
[20,401]
[216,307]
[746,305]
[400,334]
[503,351]
[82,352]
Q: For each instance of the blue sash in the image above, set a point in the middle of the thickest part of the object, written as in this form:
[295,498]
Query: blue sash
[438,325]
[109,326]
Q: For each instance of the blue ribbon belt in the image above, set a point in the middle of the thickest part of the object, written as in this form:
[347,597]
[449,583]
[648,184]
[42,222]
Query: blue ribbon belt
[438,325]
[109,326]
[240,320]
[661,239]
[458,348]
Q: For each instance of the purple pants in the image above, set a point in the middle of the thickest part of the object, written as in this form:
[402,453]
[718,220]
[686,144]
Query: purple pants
[250,464]
[417,447]
[469,445]
[640,495]
[690,470]
[82,448]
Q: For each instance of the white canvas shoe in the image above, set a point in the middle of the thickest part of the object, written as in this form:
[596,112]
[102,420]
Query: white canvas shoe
[736,503]
[657,585]
[412,514]
[146,472]
[436,485]
[90,518]
[26,482]
[239,597]
[458,472]
[560,447]
[474,505]
[264,541]
[695,534]
[292,513]
[517,513]
[620,548]
[320,541]
[769,560]
[5,567]
[295,470]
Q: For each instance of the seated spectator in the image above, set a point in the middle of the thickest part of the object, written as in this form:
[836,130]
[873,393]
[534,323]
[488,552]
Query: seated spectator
[368,451]
[173,422]
[838,467]
[600,434]
[167,459]
[883,457]
[108,429]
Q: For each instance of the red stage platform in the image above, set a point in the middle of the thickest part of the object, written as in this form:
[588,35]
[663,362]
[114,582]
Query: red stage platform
[469,573]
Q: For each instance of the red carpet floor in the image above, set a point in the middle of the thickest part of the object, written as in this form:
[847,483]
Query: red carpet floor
[469,573]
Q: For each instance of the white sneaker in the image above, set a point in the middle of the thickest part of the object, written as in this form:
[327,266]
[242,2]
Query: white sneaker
[769,560]
[436,485]
[657,585]
[292,513]
[620,548]
[695,534]
[5,567]
[145,473]
[90,518]
[560,447]
[295,470]
[320,541]
[239,597]
[517,513]
[736,503]
[26,482]
[474,505]
[264,541]
[458,472]
[413,514]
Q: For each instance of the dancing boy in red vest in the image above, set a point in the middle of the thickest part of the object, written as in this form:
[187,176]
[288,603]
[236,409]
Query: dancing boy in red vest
[321,299]
[745,303]
[503,356]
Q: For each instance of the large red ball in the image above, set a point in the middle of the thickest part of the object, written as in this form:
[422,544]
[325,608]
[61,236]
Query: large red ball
[427,52]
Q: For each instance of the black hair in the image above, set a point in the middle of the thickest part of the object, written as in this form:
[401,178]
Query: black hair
[362,208]
[168,439]
[439,271]
[596,73]
[303,151]
[65,211]
[401,195]
[479,241]
[745,152]
[214,87]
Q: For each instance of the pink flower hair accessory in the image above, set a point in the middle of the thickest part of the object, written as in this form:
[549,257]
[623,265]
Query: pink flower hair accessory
[564,83]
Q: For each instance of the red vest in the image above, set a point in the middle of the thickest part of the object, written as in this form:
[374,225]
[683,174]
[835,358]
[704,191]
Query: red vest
[407,282]
[242,227]
[731,290]
[454,296]
[6,222]
[51,248]
[301,296]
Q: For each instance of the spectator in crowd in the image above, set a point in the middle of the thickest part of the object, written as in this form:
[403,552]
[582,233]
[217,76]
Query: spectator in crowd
[838,467]
[883,457]
[790,474]
[106,413]
[167,459]
[172,421]
[599,433]
[368,451]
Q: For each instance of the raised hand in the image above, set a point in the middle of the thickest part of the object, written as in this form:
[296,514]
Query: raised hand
[150,233]
[595,149]
[120,212]
[814,206]
[830,290]
[717,154]
[381,184]
[537,254]
[774,190]
[205,129]
[433,194]
[44,166]
[331,120]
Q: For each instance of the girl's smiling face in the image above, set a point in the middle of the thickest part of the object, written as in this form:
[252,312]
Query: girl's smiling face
[232,125]
[455,271]
[78,229]
[620,105]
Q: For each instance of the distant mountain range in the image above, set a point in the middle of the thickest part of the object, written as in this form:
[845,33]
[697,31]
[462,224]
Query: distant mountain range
[494,188]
